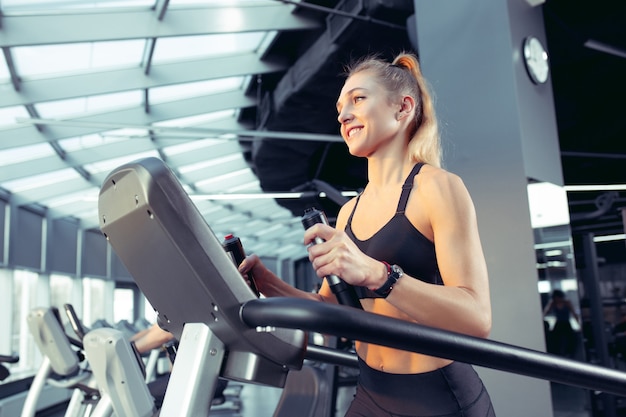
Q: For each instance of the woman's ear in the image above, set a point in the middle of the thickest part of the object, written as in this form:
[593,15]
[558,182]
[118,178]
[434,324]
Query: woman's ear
[407,106]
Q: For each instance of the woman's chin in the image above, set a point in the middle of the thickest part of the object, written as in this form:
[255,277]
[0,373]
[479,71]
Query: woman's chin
[357,151]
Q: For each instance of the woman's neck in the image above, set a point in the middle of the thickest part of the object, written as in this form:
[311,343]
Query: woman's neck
[383,173]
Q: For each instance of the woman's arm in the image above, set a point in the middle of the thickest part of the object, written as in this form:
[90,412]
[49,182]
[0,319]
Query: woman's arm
[152,338]
[547,308]
[462,304]
[271,285]
[440,203]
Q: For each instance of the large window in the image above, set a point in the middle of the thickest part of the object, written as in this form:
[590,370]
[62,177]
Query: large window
[97,301]
[29,292]
[6,311]
[124,305]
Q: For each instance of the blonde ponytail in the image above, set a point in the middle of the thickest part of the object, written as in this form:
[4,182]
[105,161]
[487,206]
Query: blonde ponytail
[425,145]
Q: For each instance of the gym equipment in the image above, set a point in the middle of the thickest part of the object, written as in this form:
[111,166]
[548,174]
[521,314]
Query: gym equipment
[369,327]
[181,267]
[4,371]
[116,368]
[61,358]
[343,291]
[199,295]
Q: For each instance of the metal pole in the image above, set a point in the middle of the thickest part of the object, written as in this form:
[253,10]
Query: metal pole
[377,329]
[591,280]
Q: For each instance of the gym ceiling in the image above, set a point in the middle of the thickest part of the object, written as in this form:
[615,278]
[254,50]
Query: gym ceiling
[237,97]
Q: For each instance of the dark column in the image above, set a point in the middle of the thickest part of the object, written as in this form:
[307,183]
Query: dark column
[591,280]
[499,131]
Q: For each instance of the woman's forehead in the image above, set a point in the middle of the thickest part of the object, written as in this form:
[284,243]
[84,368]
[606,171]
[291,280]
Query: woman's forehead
[363,80]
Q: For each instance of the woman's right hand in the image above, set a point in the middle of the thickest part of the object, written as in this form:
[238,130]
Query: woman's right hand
[252,264]
[268,283]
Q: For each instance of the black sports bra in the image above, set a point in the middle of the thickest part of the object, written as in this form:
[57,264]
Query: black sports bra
[399,242]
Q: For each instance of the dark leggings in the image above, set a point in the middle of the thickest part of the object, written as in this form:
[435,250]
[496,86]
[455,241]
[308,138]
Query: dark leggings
[455,390]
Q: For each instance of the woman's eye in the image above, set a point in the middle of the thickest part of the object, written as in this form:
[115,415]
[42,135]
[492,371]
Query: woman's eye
[358,98]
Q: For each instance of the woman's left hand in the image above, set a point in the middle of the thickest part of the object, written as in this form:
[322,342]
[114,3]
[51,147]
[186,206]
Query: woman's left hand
[338,255]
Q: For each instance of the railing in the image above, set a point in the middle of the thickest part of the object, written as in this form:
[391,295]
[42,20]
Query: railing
[373,328]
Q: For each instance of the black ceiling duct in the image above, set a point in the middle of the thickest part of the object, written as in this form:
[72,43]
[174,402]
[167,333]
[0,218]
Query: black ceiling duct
[304,101]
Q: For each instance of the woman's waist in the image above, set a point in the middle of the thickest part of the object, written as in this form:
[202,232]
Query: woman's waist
[395,361]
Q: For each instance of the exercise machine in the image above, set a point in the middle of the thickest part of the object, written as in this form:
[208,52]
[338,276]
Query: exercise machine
[223,328]
[118,370]
[182,268]
[4,371]
[62,356]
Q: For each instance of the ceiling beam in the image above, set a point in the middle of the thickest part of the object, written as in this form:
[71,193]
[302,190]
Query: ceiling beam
[161,8]
[15,80]
[115,81]
[26,134]
[115,150]
[48,29]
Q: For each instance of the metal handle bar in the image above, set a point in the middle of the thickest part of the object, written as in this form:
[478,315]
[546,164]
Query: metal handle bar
[294,313]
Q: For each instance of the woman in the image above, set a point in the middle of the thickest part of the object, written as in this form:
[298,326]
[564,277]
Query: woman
[562,337]
[409,243]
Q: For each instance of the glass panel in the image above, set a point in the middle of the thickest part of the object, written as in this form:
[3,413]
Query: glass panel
[80,143]
[110,164]
[93,104]
[197,120]
[49,60]
[190,47]
[14,6]
[27,153]
[6,311]
[69,199]
[9,115]
[556,269]
[148,311]
[174,3]
[123,305]
[61,291]
[237,157]
[196,145]
[41,180]
[180,91]
[94,300]
[24,300]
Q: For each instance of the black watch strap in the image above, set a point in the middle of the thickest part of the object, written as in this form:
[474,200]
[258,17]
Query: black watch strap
[394,272]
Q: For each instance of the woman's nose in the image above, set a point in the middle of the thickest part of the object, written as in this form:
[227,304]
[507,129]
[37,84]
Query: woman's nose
[344,116]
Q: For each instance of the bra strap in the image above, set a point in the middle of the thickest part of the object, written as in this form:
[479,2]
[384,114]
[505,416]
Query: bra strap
[356,203]
[407,187]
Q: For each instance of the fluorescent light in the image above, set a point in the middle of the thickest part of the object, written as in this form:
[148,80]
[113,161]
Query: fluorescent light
[261,195]
[239,196]
[544,287]
[601,187]
[606,48]
[609,238]
[548,205]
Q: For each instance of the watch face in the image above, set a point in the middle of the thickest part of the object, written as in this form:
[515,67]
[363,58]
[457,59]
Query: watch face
[536,60]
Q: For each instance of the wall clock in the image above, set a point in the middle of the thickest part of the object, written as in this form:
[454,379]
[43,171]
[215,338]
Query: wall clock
[535,60]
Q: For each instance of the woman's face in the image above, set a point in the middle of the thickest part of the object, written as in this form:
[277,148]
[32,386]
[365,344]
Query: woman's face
[368,118]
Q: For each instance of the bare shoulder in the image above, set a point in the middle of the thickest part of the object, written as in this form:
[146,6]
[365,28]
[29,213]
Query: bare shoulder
[444,196]
[433,181]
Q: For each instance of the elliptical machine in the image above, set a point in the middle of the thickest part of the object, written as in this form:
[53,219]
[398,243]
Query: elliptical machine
[62,355]
[4,371]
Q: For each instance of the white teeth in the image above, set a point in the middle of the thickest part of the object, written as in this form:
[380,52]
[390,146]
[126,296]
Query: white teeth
[352,132]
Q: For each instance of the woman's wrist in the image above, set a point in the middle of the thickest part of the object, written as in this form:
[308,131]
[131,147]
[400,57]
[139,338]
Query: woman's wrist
[382,273]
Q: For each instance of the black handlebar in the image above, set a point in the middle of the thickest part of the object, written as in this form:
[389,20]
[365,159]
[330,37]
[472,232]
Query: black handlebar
[9,358]
[77,326]
[373,328]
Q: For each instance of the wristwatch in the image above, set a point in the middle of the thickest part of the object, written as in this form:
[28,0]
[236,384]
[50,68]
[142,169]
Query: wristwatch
[394,272]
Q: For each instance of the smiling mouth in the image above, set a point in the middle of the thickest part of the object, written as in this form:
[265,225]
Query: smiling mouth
[354,131]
